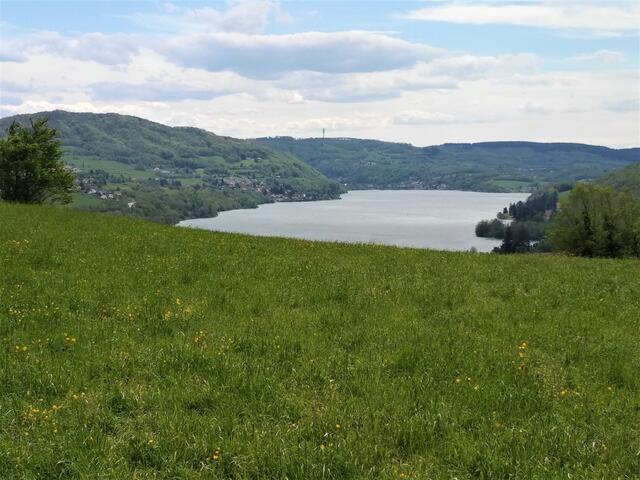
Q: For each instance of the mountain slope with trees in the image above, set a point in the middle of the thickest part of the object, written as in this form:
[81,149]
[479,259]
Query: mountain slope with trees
[626,178]
[489,166]
[172,173]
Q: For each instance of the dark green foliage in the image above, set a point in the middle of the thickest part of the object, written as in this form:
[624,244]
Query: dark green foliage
[31,170]
[627,178]
[181,354]
[536,206]
[490,228]
[597,221]
[529,226]
[489,166]
[520,237]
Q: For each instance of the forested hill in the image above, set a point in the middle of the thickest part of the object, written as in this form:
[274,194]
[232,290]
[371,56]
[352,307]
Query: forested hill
[490,166]
[626,178]
[174,173]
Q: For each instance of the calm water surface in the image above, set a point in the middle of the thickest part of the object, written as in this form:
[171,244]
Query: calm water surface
[438,219]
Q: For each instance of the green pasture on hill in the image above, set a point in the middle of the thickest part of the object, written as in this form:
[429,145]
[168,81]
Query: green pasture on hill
[135,350]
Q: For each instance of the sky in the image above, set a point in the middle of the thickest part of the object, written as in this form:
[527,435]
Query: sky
[422,72]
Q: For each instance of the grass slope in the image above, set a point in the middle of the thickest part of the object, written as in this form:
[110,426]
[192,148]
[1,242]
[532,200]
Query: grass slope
[486,166]
[135,350]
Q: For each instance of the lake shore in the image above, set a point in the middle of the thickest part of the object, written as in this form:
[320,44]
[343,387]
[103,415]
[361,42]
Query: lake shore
[434,219]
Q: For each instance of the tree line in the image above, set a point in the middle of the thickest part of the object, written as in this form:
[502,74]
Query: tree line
[592,221]
[597,221]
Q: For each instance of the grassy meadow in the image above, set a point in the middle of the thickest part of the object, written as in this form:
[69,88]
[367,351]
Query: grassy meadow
[135,350]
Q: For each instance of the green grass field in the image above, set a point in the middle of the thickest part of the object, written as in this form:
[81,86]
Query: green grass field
[111,167]
[134,350]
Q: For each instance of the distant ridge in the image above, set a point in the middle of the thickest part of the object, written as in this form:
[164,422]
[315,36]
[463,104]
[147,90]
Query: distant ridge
[483,166]
[300,166]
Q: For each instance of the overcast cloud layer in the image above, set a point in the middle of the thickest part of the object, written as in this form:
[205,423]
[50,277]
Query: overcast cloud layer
[253,68]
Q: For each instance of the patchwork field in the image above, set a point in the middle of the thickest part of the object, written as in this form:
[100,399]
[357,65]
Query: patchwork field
[135,350]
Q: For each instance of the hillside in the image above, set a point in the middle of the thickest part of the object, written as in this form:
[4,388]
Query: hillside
[174,173]
[491,166]
[136,350]
[626,178]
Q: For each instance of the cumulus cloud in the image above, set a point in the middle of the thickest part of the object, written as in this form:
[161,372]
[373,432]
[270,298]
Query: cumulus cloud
[9,55]
[363,87]
[208,70]
[623,106]
[9,99]
[418,117]
[612,17]
[600,56]
[109,49]
[271,55]
[152,92]
[257,56]
[473,66]
[246,16]
[536,108]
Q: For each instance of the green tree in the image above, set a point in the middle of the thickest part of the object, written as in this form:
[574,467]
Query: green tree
[596,221]
[31,169]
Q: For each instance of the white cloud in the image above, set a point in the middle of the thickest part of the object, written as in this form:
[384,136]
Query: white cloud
[353,83]
[536,108]
[271,55]
[364,87]
[473,66]
[109,49]
[152,91]
[600,56]
[246,16]
[8,54]
[623,106]
[418,117]
[258,56]
[609,17]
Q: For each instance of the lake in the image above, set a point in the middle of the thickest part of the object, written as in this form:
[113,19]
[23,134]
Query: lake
[437,219]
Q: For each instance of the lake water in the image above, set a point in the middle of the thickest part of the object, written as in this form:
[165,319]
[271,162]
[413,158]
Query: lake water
[437,219]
